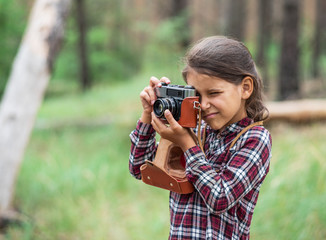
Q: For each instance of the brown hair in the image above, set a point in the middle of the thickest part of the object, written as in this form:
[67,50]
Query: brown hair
[230,60]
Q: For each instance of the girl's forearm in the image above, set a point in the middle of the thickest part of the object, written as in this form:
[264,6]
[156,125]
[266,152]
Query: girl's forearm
[186,143]
[146,117]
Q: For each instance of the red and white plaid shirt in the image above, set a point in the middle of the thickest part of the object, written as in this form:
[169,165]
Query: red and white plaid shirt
[226,181]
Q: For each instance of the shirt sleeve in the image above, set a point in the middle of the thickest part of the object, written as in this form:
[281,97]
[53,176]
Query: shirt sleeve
[143,147]
[246,168]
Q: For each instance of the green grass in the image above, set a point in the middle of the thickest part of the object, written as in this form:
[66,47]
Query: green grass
[291,204]
[74,181]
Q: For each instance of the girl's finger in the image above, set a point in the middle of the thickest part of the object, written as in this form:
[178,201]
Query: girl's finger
[153,123]
[165,80]
[154,82]
[157,124]
[152,95]
[168,116]
[145,94]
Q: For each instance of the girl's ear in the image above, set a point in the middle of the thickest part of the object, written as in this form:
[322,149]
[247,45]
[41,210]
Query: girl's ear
[247,87]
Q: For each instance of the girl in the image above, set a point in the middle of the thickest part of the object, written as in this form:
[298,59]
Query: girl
[226,177]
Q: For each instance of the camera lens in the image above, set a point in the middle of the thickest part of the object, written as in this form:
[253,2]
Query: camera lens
[161,104]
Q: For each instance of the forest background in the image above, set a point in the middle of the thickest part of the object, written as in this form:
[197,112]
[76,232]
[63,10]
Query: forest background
[74,181]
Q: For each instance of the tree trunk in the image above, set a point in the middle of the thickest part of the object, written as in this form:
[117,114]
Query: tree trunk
[264,37]
[297,111]
[319,38]
[85,80]
[289,63]
[178,6]
[206,18]
[25,89]
[178,9]
[236,14]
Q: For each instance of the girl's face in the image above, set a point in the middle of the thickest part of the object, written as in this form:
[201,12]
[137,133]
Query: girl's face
[222,102]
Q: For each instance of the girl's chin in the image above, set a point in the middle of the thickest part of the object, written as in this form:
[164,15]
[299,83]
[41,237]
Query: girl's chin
[214,124]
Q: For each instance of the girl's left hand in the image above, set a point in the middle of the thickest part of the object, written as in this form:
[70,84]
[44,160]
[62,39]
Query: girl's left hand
[174,132]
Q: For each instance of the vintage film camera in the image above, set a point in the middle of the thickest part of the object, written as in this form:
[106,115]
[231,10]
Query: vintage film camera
[180,100]
[167,171]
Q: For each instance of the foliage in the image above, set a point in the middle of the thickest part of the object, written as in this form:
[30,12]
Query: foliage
[111,54]
[164,51]
[13,17]
[121,43]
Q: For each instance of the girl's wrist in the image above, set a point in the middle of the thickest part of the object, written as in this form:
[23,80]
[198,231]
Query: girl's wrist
[188,143]
[146,117]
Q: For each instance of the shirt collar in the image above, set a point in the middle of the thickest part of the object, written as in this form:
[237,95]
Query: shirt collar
[235,127]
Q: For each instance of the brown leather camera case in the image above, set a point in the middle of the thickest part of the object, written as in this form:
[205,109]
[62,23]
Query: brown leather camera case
[189,112]
[167,170]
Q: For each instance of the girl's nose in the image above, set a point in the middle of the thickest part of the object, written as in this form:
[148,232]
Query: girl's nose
[204,103]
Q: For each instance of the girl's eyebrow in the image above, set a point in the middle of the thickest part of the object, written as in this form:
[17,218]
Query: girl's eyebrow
[214,90]
[209,90]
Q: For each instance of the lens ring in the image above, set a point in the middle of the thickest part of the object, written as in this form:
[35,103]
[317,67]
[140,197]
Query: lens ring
[172,106]
[162,104]
[159,108]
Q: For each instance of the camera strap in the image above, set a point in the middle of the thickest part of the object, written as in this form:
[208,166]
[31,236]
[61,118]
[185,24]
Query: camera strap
[200,141]
[259,123]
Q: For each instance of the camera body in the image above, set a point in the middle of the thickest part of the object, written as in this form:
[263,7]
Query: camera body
[180,100]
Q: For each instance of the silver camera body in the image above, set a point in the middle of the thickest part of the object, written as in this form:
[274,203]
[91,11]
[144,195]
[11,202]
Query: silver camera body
[171,97]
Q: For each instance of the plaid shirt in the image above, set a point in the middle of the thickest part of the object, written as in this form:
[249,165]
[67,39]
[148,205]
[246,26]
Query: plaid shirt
[227,181]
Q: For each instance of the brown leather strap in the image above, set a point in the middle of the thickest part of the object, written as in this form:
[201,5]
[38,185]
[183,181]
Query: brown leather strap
[198,138]
[260,123]
[199,132]
[156,176]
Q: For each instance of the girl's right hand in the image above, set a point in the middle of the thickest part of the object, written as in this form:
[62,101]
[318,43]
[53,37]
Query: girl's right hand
[148,97]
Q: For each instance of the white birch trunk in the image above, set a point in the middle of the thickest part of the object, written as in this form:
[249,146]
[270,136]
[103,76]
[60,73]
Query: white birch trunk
[27,83]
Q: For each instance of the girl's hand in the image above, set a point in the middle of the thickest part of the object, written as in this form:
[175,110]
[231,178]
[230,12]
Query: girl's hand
[148,97]
[174,132]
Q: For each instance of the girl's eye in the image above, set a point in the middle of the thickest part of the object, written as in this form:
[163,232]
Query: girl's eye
[215,93]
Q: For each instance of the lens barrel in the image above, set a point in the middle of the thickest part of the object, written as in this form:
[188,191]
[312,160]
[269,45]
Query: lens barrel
[161,104]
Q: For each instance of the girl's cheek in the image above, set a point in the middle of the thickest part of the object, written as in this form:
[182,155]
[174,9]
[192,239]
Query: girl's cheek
[222,104]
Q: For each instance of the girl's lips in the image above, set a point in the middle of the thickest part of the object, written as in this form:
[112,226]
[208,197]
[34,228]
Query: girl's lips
[210,115]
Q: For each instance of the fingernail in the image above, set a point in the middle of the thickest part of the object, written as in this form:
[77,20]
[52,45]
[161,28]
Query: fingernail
[167,112]
[152,102]
[166,79]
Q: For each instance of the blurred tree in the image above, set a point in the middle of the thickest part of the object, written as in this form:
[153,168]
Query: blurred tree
[207,17]
[236,19]
[113,52]
[85,80]
[25,89]
[179,9]
[117,24]
[289,62]
[12,23]
[178,6]
[264,36]
[319,45]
